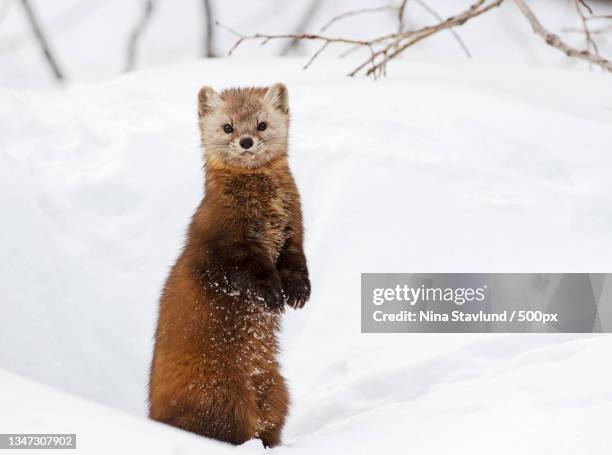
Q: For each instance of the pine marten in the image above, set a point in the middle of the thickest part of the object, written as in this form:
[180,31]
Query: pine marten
[214,370]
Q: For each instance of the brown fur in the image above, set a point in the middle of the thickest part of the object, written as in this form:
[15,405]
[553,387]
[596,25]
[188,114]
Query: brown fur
[214,369]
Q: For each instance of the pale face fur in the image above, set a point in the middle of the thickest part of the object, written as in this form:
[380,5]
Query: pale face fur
[244,109]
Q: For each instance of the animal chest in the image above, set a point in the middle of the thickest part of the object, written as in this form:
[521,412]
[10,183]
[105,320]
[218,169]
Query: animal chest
[264,205]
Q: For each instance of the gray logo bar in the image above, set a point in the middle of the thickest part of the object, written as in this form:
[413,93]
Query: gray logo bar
[37,441]
[486,302]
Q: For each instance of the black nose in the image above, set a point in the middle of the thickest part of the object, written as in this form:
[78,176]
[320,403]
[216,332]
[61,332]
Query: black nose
[246,143]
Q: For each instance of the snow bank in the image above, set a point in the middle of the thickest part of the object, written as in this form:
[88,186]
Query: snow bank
[437,168]
[35,408]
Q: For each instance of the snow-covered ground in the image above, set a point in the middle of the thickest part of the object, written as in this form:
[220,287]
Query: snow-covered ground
[440,167]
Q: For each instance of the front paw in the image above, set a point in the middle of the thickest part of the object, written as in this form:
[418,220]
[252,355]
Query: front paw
[296,287]
[266,289]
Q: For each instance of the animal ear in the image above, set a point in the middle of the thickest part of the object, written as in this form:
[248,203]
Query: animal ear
[208,100]
[278,96]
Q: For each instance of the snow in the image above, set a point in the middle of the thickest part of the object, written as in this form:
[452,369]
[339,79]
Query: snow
[504,395]
[439,167]
[99,429]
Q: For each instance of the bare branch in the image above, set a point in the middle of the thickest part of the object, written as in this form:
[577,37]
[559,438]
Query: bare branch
[590,42]
[392,44]
[586,6]
[316,54]
[292,36]
[387,47]
[400,16]
[431,11]
[42,41]
[586,30]
[556,42]
[209,37]
[146,13]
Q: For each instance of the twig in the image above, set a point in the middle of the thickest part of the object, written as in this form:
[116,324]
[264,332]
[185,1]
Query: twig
[387,47]
[316,54]
[233,32]
[431,11]
[42,41]
[401,27]
[292,36]
[209,33]
[585,4]
[136,35]
[392,44]
[590,42]
[400,16]
[556,42]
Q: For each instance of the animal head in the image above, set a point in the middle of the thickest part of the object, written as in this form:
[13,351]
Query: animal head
[244,127]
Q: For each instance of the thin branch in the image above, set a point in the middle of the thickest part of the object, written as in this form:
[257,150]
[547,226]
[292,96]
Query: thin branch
[400,16]
[240,38]
[590,42]
[585,5]
[209,33]
[387,47]
[316,54]
[556,42]
[392,44]
[431,11]
[146,13]
[42,41]
[292,36]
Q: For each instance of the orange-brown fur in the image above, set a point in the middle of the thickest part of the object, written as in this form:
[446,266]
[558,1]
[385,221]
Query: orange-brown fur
[214,369]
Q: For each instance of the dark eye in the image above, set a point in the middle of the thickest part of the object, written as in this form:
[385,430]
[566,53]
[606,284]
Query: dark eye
[228,128]
[262,126]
